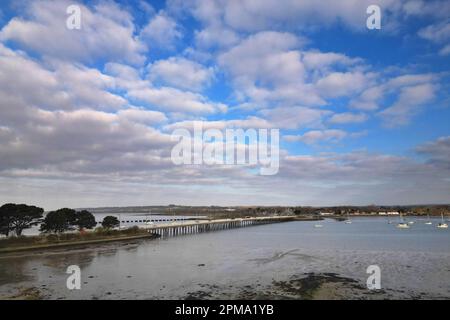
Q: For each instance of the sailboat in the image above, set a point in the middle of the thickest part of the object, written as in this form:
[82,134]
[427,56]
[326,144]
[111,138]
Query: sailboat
[442,224]
[402,224]
[429,221]
[348,221]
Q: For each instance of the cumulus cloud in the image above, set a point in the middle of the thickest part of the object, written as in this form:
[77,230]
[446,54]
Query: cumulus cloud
[315,136]
[411,99]
[181,73]
[410,93]
[348,117]
[438,33]
[437,152]
[253,16]
[107,32]
[174,100]
[339,84]
[249,123]
[25,82]
[88,113]
[295,117]
[161,32]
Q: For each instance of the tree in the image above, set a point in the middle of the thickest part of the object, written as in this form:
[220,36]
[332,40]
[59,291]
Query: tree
[59,221]
[17,217]
[5,223]
[110,222]
[85,220]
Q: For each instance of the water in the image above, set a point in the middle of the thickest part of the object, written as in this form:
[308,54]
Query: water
[414,262]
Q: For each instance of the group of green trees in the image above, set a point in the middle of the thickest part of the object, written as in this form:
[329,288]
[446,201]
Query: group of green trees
[14,218]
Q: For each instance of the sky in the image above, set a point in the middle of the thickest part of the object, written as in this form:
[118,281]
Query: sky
[86,115]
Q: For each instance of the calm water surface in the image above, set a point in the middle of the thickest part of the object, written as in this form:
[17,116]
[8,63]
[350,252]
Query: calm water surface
[412,261]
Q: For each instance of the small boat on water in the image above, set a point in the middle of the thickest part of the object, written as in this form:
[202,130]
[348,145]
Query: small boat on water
[318,226]
[402,224]
[429,221]
[348,221]
[442,224]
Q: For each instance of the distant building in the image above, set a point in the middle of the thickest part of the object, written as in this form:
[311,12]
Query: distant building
[382,213]
[393,213]
[326,213]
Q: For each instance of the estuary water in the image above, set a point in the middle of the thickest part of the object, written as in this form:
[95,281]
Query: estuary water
[414,263]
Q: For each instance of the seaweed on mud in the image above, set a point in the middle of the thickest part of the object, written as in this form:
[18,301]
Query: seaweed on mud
[306,287]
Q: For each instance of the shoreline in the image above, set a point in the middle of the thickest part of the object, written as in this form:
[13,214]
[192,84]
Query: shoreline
[5,251]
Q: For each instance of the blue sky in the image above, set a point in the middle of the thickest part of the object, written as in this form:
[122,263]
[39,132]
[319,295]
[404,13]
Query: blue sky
[86,115]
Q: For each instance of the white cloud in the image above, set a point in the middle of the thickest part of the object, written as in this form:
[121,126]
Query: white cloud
[438,33]
[315,136]
[174,100]
[107,32]
[348,117]
[410,101]
[161,32]
[140,115]
[320,60]
[54,86]
[249,123]
[436,9]
[271,68]
[438,152]
[253,16]
[339,84]
[371,98]
[216,36]
[295,117]
[181,73]
[266,67]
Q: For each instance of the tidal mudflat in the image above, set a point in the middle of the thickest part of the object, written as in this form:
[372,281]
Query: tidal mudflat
[291,260]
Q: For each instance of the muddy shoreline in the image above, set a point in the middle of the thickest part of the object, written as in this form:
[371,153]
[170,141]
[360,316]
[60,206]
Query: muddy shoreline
[74,244]
[308,286]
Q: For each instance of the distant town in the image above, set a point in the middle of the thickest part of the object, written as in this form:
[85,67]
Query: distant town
[252,211]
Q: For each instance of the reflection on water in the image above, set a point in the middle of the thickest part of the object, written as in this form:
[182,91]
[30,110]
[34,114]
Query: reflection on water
[415,260]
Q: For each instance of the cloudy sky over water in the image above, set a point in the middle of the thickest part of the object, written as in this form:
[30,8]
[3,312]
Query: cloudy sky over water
[86,115]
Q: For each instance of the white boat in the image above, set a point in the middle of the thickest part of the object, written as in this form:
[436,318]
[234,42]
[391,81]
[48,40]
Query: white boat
[318,226]
[402,224]
[442,224]
[348,221]
[429,221]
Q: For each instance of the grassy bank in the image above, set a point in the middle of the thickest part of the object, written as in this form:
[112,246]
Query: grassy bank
[25,243]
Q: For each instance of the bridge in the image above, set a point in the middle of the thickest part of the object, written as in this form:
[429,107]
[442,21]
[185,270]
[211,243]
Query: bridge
[199,226]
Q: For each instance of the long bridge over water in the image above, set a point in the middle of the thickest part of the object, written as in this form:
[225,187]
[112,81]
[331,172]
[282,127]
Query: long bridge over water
[190,227]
